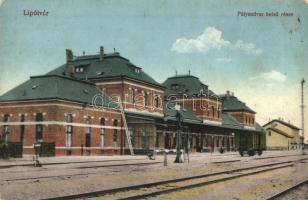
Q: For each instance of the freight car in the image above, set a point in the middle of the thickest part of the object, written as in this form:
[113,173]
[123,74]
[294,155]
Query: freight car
[250,143]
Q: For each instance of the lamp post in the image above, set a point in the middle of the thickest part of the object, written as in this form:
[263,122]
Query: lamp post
[178,158]
[302,116]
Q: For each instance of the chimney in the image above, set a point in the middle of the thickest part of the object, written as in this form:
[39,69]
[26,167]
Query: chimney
[232,94]
[228,94]
[70,70]
[101,53]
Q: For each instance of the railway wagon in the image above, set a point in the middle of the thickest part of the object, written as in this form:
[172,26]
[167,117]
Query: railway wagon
[250,143]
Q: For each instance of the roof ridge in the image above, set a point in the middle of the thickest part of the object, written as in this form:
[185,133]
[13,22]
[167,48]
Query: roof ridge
[64,77]
[283,122]
[183,75]
[96,56]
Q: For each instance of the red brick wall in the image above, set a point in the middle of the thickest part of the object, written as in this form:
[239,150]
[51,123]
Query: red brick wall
[116,88]
[202,108]
[55,112]
[247,119]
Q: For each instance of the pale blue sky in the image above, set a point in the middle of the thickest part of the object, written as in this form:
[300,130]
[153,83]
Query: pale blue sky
[145,32]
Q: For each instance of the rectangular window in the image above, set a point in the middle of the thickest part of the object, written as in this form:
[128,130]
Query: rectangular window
[6,128]
[102,132]
[88,132]
[22,128]
[69,130]
[39,127]
[115,133]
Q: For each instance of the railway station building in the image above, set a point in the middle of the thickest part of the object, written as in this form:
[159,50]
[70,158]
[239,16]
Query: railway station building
[104,104]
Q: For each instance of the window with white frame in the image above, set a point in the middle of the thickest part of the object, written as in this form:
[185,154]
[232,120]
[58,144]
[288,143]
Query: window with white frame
[39,127]
[69,130]
[132,96]
[102,132]
[88,131]
[6,128]
[115,132]
[145,99]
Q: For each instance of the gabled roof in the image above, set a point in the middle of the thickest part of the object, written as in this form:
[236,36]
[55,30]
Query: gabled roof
[280,132]
[233,104]
[112,66]
[186,84]
[49,87]
[282,122]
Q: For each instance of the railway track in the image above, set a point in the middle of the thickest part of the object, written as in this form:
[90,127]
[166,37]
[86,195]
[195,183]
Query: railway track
[67,163]
[81,174]
[153,189]
[261,158]
[286,191]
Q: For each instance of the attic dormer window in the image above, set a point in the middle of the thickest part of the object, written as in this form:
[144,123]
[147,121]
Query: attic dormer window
[79,69]
[137,70]
[174,86]
[34,87]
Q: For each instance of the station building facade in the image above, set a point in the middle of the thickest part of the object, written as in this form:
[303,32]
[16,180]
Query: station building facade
[84,106]
[282,135]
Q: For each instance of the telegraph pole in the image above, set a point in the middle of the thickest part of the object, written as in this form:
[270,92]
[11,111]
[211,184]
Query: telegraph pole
[302,112]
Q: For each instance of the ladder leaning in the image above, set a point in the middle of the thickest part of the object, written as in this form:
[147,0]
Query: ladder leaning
[128,138]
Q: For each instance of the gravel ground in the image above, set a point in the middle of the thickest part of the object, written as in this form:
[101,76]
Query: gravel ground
[256,187]
[71,179]
[297,194]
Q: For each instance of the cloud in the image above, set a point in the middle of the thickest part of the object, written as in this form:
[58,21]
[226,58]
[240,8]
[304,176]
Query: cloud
[271,76]
[247,47]
[211,38]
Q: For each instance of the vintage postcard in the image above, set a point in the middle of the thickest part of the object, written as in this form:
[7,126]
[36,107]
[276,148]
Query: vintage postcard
[153,99]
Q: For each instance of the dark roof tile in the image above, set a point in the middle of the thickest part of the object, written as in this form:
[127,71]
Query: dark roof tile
[232,103]
[112,66]
[55,87]
[188,85]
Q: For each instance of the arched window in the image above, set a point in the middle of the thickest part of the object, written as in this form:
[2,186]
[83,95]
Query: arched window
[145,99]
[156,101]
[132,96]
[102,132]
[69,130]
[39,127]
